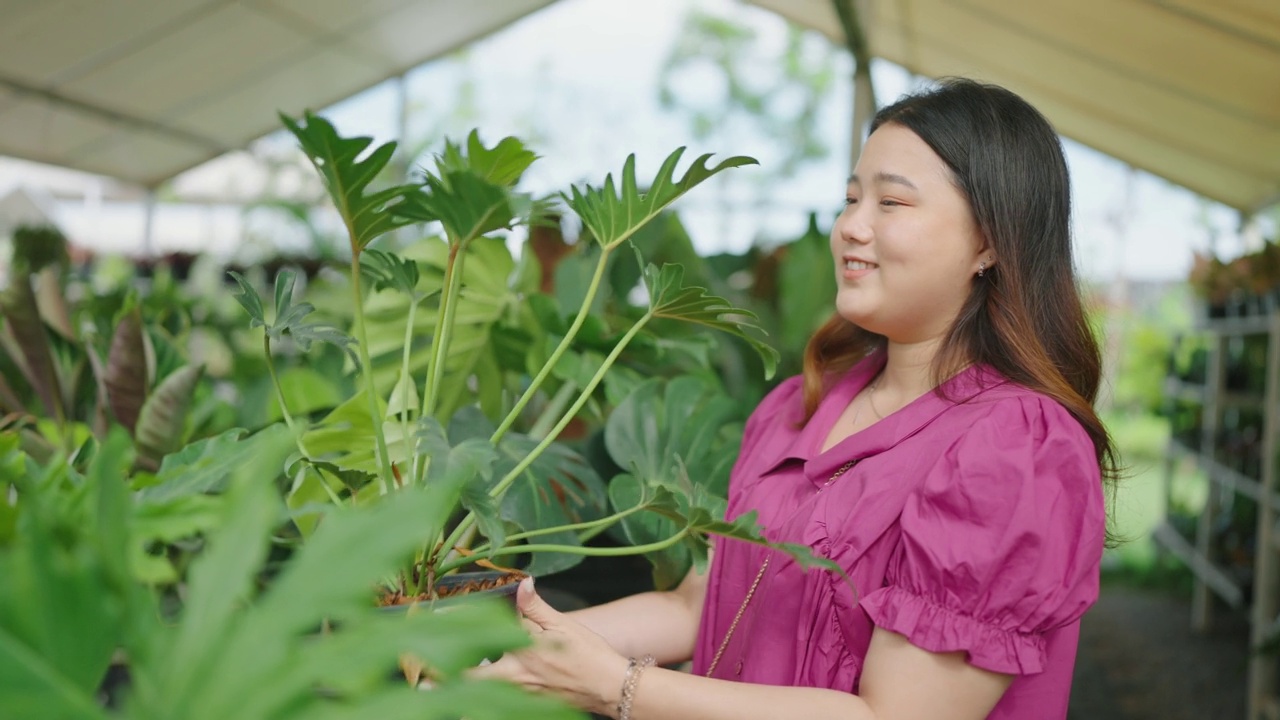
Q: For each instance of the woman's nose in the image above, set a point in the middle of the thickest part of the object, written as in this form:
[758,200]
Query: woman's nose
[852,226]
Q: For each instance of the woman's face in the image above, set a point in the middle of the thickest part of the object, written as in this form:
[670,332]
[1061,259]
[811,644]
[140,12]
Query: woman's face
[906,245]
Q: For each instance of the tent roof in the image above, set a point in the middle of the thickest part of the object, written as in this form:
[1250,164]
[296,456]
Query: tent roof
[1186,89]
[141,90]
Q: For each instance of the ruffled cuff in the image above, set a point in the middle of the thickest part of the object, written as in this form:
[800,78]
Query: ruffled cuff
[935,628]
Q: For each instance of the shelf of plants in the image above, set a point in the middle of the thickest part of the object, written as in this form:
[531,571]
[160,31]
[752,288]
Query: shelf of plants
[1223,399]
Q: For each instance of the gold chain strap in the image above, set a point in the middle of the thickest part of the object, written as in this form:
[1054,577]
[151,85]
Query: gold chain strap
[742,609]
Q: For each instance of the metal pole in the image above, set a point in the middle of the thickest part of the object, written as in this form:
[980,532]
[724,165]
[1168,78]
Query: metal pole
[864,95]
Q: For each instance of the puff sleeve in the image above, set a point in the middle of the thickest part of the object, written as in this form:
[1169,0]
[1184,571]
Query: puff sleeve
[1001,542]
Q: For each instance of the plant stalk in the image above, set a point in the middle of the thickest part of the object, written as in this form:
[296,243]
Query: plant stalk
[284,408]
[444,327]
[366,371]
[560,350]
[574,550]
[553,410]
[501,487]
[405,406]
[602,523]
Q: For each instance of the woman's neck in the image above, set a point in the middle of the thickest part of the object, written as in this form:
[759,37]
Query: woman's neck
[908,372]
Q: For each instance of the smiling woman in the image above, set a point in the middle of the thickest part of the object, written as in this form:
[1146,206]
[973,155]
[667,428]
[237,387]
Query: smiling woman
[941,448]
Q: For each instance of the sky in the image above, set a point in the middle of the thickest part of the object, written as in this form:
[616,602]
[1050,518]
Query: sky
[580,80]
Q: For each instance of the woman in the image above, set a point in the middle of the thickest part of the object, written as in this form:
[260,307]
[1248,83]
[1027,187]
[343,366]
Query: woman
[941,446]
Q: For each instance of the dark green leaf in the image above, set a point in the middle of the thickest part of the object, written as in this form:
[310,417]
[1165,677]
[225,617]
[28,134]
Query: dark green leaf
[366,215]
[669,299]
[249,300]
[469,463]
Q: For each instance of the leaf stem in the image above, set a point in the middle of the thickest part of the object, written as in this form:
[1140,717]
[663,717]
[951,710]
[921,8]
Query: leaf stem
[602,523]
[560,350]
[501,487]
[553,410]
[366,371]
[284,408]
[444,327]
[406,408]
[573,550]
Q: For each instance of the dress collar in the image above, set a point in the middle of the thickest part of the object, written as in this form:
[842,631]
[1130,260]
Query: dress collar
[885,434]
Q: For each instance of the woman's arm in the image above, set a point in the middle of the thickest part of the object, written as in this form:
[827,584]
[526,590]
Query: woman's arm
[661,624]
[899,681]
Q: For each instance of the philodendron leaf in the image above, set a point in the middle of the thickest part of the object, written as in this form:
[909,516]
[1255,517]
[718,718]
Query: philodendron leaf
[126,370]
[559,488]
[503,164]
[249,300]
[467,205]
[470,463]
[366,215]
[669,299]
[661,521]
[163,418]
[614,214]
[289,318]
[386,271]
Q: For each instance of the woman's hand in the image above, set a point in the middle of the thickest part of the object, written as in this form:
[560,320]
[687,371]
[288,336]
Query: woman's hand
[566,658]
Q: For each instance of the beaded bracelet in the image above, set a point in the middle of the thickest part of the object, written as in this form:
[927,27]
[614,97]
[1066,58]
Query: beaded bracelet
[629,680]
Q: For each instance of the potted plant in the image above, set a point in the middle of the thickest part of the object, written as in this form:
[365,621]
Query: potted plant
[470,407]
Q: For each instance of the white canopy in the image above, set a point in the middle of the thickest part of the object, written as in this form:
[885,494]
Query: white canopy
[141,90]
[1186,89]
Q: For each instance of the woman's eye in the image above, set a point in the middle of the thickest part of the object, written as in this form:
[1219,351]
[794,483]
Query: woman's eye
[889,203]
[851,201]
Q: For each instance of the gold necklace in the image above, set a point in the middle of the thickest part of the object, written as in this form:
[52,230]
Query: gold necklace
[871,399]
[724,644]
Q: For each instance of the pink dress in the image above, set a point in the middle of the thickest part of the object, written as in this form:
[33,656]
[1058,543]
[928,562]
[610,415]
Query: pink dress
[974,523]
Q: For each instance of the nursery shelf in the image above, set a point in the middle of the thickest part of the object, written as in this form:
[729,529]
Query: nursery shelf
[1170,539]
[1200,554]
[1224,475]
[1194,392]
[1251,325]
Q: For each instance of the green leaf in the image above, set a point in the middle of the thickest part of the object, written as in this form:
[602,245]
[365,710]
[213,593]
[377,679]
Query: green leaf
[614,214]
[469,464]
[386,271]
[289,321]
[331,577]
[669,299]
[559,488]
[806,284]
[65,577]
[163,418]
[366,215]
[201,467]
[126,371]
[249,300]
[669,564]
[222,578]
[467,205]
[503,164]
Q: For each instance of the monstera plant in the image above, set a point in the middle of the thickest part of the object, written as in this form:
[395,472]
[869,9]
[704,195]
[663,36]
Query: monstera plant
[468,375]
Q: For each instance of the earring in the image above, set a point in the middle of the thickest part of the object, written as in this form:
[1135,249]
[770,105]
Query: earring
[982,268]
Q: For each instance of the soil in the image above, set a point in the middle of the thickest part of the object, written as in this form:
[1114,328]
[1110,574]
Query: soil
[1139,659]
